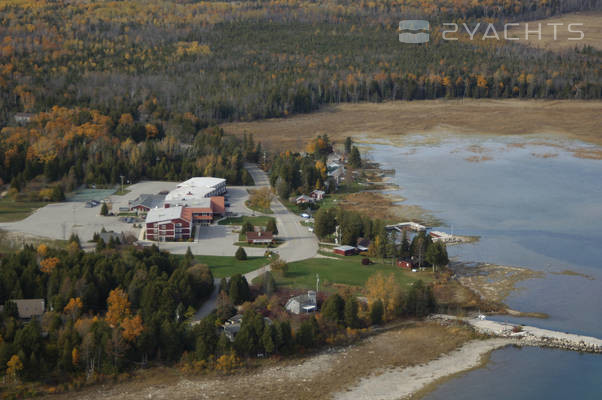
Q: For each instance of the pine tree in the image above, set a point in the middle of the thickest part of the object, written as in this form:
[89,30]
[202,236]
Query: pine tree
[350,312]
[355,160]
[333,309]
[240,254]
[376,312]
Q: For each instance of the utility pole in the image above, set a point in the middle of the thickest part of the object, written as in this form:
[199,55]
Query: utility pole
[121,176]
[317,283]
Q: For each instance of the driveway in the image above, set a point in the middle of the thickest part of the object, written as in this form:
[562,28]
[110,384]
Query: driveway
[299,243]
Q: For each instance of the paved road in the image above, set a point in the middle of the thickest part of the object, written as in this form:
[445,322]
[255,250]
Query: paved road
[299,243]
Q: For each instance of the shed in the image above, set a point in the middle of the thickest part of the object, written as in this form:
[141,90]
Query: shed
[344,250]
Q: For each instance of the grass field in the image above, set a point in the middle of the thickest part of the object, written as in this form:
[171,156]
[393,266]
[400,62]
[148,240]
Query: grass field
[342,270]
[591,28]
[17,210]
[394,120]
[227,266]
[263,220]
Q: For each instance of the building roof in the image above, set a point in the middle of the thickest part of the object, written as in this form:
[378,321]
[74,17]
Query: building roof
[106,236]
[164,214]
[304,197]
[267,235]
[204,181]
[149,201]
[29,308]
[305,300]
[344,248]
[194,189]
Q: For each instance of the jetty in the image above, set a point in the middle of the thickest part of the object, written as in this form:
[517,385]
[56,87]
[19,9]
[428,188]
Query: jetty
[530,335]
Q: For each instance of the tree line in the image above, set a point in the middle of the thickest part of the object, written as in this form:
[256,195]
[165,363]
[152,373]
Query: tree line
[248,60]
[106,311]
[69,147]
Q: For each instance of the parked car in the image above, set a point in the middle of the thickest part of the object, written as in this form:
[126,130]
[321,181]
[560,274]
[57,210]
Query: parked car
[305,215]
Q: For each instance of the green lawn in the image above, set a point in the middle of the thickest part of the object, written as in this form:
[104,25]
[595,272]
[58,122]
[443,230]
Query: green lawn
[223,266]
[256,221]
[343,270]
[258,209]
[17,210]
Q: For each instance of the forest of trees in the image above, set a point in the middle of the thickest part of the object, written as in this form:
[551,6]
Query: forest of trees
[106,311]
[69,147]
[221,61]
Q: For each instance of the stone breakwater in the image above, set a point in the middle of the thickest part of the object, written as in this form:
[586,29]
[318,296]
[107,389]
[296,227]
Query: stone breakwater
[530,335]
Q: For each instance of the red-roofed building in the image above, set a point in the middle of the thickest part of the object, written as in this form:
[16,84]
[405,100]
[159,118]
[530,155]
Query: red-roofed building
[260,237]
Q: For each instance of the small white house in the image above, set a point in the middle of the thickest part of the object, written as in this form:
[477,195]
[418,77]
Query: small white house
[302,304]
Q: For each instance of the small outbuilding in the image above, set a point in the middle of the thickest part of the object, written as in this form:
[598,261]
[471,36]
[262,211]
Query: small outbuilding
[345,250]
[302,304]
[405,264]
[317,195]
[260,237]
[304,199]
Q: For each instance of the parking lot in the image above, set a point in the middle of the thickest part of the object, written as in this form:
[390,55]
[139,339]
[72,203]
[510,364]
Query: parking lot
[60,220]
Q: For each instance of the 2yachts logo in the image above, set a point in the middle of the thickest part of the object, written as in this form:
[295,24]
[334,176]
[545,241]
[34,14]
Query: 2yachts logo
[511,31]
[414,25]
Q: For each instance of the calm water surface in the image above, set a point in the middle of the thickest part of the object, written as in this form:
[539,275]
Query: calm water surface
[534,206]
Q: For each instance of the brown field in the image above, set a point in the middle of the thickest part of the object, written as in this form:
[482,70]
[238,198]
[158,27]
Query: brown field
[592,29]
[315,377]
[386,207]
[393,120]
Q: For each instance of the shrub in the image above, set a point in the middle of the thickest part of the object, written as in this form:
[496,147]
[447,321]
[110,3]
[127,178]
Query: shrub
[365,261]
[240,254]
[279,266]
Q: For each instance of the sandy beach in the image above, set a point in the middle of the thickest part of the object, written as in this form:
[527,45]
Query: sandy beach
[401,383]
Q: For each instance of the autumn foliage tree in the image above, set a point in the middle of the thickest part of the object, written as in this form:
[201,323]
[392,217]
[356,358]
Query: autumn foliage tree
[48,265]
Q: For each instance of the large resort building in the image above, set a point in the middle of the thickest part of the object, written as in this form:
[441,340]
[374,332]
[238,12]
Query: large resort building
[197,201]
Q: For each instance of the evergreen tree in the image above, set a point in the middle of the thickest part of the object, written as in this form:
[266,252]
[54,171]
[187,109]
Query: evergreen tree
[333,309]
[350,312]
[271,226]
[267,339]
[355,160]
[104,210]
[240,254]
[376,312]
[348,144]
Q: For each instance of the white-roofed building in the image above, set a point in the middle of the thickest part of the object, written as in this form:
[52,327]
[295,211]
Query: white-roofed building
[167,224]
[190,192]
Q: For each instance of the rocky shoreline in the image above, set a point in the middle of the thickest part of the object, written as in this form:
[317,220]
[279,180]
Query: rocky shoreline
[531,336]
